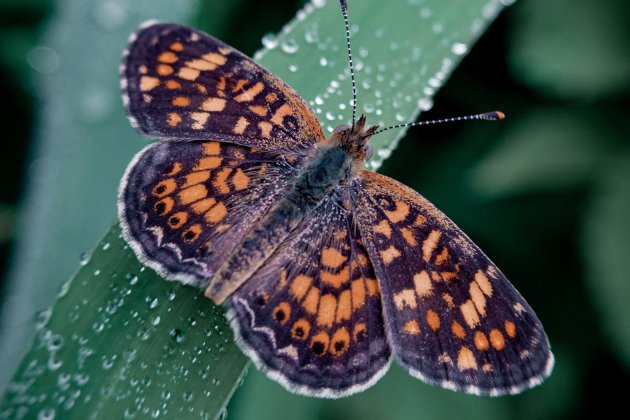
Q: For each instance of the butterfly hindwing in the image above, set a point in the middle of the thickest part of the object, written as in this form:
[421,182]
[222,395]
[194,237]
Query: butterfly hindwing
[185,205]
[311,317]
[180,83]
[453,318]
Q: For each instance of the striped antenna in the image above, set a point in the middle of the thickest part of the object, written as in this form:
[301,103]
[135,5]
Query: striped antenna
[493,116]
[344,11]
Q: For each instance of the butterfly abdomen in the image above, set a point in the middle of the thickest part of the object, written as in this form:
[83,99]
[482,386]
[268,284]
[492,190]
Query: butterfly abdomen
[326,169]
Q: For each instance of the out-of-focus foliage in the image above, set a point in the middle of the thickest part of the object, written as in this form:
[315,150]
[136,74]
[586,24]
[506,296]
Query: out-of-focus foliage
[545,193]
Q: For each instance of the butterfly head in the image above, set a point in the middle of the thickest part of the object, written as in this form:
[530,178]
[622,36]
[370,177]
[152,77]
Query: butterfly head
[354,139]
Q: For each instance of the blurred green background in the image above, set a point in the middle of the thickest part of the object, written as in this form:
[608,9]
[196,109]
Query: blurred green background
[545,193]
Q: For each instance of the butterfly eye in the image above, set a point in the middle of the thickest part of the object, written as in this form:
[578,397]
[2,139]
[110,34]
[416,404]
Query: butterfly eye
[341,128]
[367,149]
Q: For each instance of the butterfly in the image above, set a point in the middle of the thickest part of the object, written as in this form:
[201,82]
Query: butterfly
[328,271]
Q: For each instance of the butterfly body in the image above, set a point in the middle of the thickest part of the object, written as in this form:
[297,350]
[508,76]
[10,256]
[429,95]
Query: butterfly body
[327,270]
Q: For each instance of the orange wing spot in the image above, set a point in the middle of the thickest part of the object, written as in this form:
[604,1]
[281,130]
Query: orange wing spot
[241,125]
[213,105]
[164,70]
[422,284]
[208,163]
[358,294]
[173,119]
[271,98]
[470,313]
[481,341]
[164,187]
[220,180]
[466,359]
[224,51]
[496,339]
[192,194]
[178,220]
[448,275]
[510,329]
[239,154]
[283,280]
[441,259]
[211,148]
[172,85]
[448,299]
[203,205]
[258,110]
[300,285]
[192,233]
[181,101]
[201,88]
[240,84]
[200,119]
[300,329]
[221,86]
[519,308]
[458,330]
[167,57]
[408,235]
[359,332]
[319,343]
[177,46]
[372,286]
[405,297]
[429,244]
[195,178]
[327,309]
[344,308]
[240,180]
[411,327]
[143,69]
[363,261]
[420,221]
[433,319]
[390,254]
[435,276]
[335,280]
[487,367]
[478,298]
[445,359]
[215,58]
[216,213]
[164,206]
[484,283]
[148,83]
[340,342]
[265,129]
[399,214]
[187,73]
[384,228]
[201,64]
[250,93]
[311,301]
[281,313]
[176,168]
[281,112]
[332,258]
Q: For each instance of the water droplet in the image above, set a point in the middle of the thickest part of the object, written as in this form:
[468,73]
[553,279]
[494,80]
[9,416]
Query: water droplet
[46,413]
[153,303]
[459,48]
[155,321]
[84,258]
[43,59]
[293,68]
[270,41]
[105,246]
[289,46]
[42,317]
[133,280]
[425,103]
[177,335]
[318,3]
[188,396]
[425,13]
[109,14]
[323,61]
[319,100]
[96,273]
[384,153]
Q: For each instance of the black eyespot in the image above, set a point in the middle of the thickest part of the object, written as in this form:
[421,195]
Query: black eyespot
[318,348]
[367,149]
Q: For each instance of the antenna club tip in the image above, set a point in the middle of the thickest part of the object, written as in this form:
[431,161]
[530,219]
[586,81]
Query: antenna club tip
[499,115]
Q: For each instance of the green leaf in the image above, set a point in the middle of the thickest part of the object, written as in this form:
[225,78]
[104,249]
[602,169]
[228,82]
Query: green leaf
[572,49]
[404,52]
[605,244]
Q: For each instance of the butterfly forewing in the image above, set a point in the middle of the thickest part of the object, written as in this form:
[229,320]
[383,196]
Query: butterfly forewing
[180,83]
[453,318]
[181,204]
[311,317]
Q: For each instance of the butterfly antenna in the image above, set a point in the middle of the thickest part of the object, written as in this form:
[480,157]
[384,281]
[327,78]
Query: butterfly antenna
[344,11]
[492,116]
